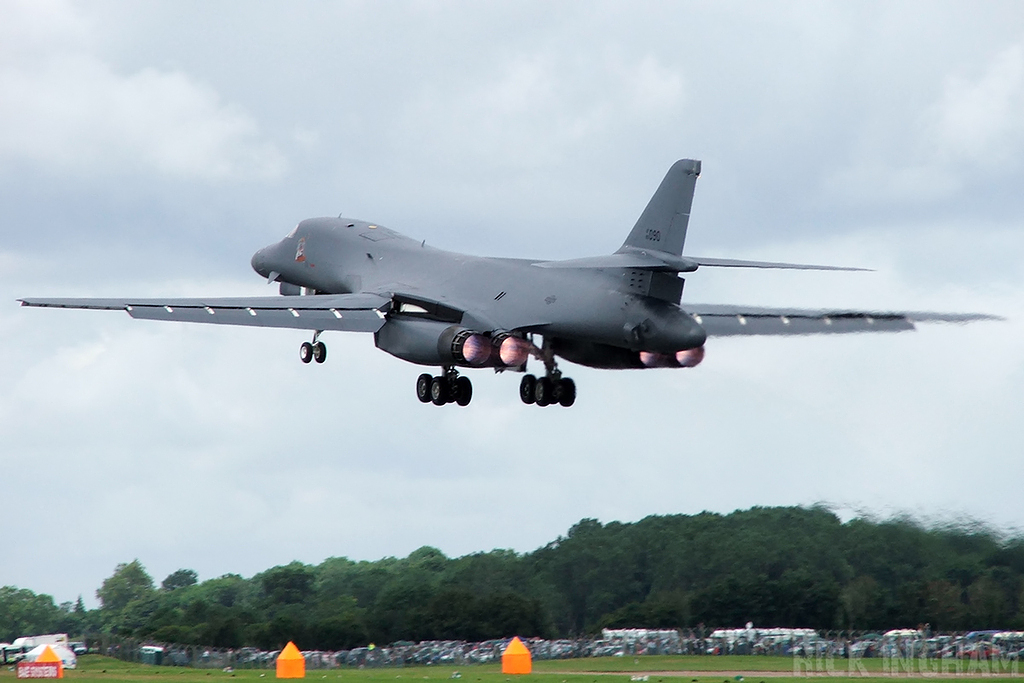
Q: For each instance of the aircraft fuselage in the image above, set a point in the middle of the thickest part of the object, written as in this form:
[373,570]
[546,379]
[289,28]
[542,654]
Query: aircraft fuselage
[341,255]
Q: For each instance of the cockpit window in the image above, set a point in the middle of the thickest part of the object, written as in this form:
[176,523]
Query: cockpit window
[292,233]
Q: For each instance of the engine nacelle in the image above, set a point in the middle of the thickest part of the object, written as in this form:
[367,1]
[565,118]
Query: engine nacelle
[466,347]
[433,342]
[666,330]
[609,357]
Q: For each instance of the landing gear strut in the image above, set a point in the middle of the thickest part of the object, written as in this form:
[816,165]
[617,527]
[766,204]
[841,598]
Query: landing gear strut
[449,387]
[314,350]
[552,388]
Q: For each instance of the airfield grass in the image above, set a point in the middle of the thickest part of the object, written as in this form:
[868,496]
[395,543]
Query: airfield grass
[632,664]
[661,669]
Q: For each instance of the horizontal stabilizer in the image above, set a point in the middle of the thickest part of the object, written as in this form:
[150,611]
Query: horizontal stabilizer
[739,263]
[344,312]
[641,260]
[726,321]
[649,259]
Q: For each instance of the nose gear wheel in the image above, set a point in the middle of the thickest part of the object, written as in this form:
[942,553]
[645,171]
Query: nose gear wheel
[315,350]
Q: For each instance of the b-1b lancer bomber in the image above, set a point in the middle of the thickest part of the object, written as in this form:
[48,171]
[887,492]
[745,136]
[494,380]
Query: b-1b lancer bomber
[452,311]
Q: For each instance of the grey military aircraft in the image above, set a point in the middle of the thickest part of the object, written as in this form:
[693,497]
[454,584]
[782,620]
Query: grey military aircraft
[453,311]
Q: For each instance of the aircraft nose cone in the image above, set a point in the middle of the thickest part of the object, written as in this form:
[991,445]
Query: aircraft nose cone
[259,262]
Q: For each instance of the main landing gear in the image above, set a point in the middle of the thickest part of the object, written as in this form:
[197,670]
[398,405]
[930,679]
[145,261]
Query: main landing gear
[450,387]
[547,391]
[550,389]
[314,350]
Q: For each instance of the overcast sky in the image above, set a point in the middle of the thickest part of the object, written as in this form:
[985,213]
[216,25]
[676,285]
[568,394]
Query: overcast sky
[151,148]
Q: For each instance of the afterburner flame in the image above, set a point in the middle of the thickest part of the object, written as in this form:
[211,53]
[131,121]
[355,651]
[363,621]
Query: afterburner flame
[476,349]
[651,359]
[690,357]
[687,358]
[514,351]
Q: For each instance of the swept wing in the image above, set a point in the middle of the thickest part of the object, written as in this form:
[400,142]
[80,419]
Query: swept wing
[344,312]
[726,321]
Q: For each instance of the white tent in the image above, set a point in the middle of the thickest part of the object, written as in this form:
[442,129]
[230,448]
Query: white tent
[67,657]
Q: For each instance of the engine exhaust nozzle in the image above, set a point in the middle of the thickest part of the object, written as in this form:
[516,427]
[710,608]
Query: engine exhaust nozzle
[472,348]
[690,358]
[513,351]
[687,358]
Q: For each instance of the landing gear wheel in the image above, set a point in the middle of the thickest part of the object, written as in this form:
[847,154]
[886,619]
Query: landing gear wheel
[439,391]
[319,352]
[463,391]
[306,352]
[543,392]
[526,386]
[423,387]
[565,389]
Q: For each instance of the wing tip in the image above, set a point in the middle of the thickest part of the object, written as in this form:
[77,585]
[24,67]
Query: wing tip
[954,318]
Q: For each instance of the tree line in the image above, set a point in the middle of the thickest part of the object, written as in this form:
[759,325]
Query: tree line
[785,566]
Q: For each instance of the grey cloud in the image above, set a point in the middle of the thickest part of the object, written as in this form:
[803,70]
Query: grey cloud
[970,132]
[518,130]
[71,113]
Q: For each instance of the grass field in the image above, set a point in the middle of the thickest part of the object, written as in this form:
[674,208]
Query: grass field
[683,663]
[660,669]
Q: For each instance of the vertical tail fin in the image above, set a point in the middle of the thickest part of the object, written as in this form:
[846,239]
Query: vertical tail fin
[662,225]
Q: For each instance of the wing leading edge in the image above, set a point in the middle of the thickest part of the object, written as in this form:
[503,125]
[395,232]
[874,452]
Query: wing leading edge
[343,312]
[727,321]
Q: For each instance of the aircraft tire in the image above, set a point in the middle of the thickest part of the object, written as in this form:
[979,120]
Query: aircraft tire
[463,391]
[306,352]
[543,392]
[423,387]
[320,352]
[526,386]
[566,391]
[439,391]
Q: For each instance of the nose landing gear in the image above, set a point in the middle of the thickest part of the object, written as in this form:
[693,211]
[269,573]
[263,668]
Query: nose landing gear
[314,350]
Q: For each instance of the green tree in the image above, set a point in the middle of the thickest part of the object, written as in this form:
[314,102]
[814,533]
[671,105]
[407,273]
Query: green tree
[859,601]
[290,584]
[988,604]
[22,612]
[775,566]
[944,607]
[128,582]
[182,578]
